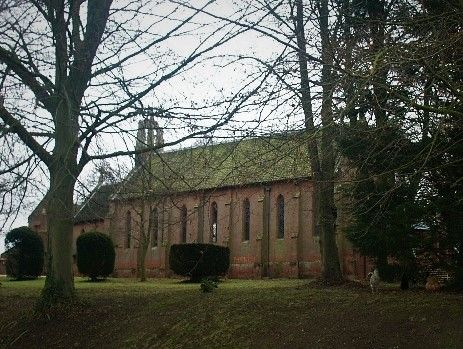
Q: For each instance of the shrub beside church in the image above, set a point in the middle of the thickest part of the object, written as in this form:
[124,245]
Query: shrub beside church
[95,255]
[25,254]
[198,261]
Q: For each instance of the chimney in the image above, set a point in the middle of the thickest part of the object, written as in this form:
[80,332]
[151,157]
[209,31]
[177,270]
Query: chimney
[151,126]
[140,142]
[159,137]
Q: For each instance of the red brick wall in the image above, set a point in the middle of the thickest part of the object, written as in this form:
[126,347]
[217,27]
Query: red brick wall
[296,255]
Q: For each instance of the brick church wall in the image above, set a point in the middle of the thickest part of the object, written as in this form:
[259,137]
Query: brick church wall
[295,255]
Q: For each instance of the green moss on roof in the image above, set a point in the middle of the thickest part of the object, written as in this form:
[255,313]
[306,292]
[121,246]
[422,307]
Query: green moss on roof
[253,160]
[96,206]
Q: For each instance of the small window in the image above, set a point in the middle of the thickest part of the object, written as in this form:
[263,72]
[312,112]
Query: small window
[280,217]
[154,224]
[214,216]
[246,219]
[128,229]
[183,222]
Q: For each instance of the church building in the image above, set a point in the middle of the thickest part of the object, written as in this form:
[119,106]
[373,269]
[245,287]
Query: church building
[254,195]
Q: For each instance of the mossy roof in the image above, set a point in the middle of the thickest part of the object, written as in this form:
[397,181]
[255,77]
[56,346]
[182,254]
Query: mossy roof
[248,161]
[96,206]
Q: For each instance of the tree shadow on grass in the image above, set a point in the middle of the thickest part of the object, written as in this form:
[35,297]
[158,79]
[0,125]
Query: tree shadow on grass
[200,280]
[98,280]
[26,278]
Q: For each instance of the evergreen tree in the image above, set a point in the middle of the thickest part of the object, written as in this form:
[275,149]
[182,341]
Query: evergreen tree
[25,253]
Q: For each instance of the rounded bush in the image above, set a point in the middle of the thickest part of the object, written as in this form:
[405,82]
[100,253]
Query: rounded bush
[199,260]
[95,255]
[25,253]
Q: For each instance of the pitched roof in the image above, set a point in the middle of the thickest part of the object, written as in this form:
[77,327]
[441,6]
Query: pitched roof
[38,209]
[249,161]
[96,206]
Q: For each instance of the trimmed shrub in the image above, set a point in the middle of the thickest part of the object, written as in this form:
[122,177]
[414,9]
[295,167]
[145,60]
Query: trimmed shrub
[95,255]
[199,261]
[25,254]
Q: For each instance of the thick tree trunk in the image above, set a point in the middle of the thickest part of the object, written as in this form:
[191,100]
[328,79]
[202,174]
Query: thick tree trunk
[330,258]
[377,17]
[321,162]
[348,83]
[331,270]
[59,284]
[404,282]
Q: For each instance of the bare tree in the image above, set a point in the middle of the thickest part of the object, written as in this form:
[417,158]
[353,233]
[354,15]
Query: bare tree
[73,71]
[301,65]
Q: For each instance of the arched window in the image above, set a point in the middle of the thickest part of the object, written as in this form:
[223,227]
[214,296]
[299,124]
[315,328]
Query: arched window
[246,219]
[183,222]
[214,227]
[154,224]
[128,229]
[280,217]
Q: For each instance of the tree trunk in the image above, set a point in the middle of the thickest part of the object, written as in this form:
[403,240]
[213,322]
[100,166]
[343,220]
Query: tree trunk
[144,237]
[330,257]
[142,250]
[377,17]
[321,163]
[59,284]
[331,270]
[404,282]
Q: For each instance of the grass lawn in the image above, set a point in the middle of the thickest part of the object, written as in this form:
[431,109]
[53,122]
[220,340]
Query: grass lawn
[165,313]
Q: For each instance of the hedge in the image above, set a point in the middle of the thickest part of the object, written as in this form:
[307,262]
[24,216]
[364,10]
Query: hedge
[95,255]
[25,253]
[199,260]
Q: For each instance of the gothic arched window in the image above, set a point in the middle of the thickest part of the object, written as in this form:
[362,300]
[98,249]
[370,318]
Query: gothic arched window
[246,219]
[183,222]
[214,217]
[154,224]
[128,229]
[280,217]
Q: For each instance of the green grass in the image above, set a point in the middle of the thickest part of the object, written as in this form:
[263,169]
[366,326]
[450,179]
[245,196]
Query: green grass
[164,313]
